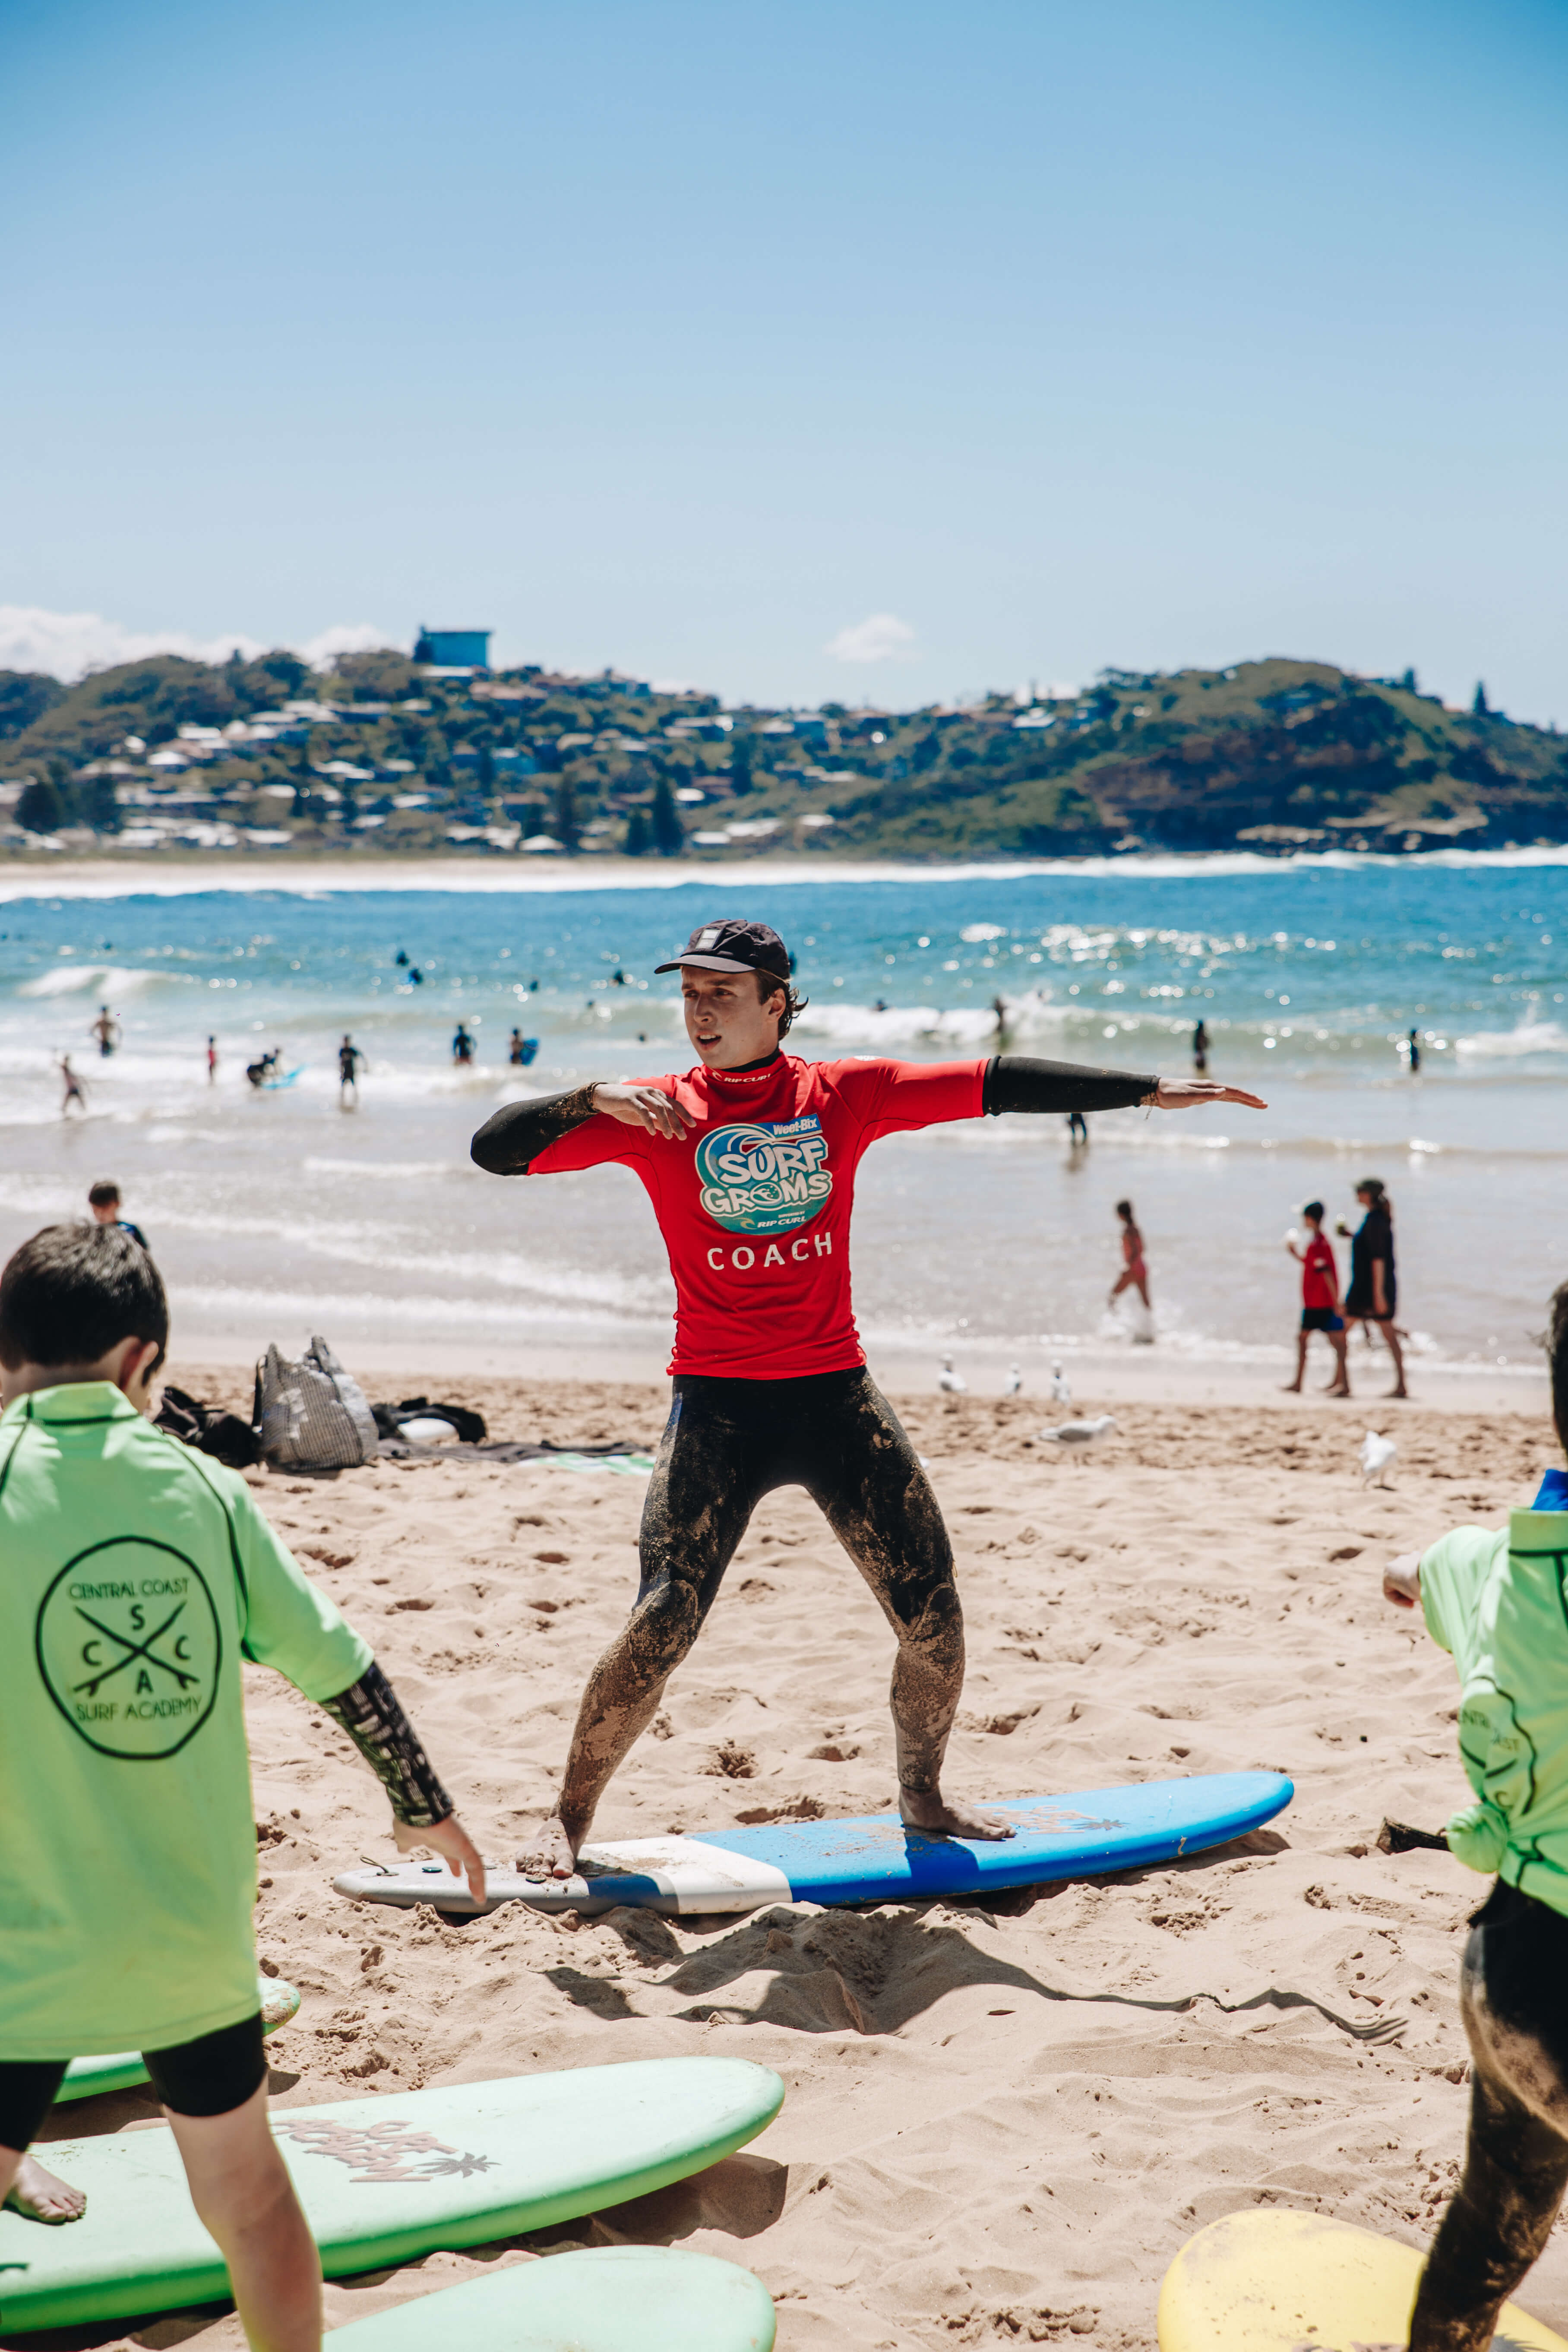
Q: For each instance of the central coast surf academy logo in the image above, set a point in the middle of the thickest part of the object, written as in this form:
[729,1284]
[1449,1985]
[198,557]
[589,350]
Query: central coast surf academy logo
[764,1176]
[129,1649]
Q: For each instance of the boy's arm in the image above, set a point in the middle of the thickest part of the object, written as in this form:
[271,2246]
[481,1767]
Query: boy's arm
[369,1710]
[288,1624]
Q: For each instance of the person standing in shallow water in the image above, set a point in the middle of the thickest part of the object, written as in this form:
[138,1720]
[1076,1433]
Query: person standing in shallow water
[1134,1274]
[1201,1047]
[749,1159]
[1373,1290]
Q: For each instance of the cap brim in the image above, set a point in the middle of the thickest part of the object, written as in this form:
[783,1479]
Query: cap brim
[709,964]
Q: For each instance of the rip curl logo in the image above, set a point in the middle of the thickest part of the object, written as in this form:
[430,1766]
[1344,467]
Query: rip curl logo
[765,1176]
[384,2151]
[129,1649]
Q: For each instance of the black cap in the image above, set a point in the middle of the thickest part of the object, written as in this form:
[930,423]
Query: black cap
[734,946]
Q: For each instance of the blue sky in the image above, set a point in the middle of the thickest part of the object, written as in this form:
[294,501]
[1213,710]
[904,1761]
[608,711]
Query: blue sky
[694,338]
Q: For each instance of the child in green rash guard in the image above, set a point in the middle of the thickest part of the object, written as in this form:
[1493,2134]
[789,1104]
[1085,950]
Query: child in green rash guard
[137,1575]
[1498,1599]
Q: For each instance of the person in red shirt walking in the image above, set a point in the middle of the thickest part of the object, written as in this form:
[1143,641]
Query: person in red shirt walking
[1320,1303]
[749,1159]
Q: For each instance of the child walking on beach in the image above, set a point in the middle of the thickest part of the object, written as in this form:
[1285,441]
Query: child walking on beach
[1494,1597]
[1319,1302]
[138,1573]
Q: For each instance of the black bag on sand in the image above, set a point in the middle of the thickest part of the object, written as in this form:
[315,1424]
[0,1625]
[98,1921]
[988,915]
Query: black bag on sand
[469,1426]
[222,1434]
[311,1415]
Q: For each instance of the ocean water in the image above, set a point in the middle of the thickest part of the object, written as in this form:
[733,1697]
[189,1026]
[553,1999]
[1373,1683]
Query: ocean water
[277,1214]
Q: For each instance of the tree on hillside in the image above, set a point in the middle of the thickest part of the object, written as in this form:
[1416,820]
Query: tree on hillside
[1481,708]
[24,696]
[39,809]
[669,833]
[568,827]
[1408,682]
[101,809]
[740,759]
[636,843]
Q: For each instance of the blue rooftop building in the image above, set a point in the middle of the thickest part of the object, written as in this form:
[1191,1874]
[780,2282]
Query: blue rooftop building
[454,648]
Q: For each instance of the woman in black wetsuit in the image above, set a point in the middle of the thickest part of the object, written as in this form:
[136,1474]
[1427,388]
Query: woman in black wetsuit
[1374,1292]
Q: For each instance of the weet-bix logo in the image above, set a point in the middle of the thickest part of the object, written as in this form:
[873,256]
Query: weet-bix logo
[706,937]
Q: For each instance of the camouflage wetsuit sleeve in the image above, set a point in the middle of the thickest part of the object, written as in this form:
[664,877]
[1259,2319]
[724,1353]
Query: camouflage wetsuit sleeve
[508,1143]
[372,1715]
[1017,1082]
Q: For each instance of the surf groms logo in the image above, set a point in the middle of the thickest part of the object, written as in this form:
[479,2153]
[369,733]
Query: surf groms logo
[129,1649]
[764,1176]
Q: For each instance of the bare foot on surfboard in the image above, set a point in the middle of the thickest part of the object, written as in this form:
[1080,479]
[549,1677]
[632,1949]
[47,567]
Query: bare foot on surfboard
[547,1851]
[942,1816]
[37,2196]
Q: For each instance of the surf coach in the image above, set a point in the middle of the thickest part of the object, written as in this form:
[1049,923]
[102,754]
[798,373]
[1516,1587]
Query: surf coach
[749,1159]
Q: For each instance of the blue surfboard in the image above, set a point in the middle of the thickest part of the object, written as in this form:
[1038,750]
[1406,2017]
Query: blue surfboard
[874,1859]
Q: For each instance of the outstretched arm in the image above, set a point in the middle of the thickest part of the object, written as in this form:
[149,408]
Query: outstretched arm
[372,1715]
[1018,1082]
[508,1143]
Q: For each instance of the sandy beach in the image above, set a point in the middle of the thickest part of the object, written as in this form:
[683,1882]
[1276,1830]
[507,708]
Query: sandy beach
[1000,2124]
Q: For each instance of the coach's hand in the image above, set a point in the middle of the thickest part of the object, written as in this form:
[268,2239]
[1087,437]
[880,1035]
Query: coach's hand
[647,1107]
[1187,1094]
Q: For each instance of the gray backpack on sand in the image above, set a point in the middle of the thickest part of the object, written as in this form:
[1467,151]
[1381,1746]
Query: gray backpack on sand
[311,1415]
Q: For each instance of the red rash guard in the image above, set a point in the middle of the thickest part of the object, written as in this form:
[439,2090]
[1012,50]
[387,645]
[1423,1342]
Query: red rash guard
[754,1204]
[1319,1275]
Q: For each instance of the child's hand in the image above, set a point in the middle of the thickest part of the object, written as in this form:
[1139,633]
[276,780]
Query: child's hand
[1402,1581]
[451,1841]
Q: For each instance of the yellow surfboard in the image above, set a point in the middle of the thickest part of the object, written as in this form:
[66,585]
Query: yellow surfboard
[1271,2281]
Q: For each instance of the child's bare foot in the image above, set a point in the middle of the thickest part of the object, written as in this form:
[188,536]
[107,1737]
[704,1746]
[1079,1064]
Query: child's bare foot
[548,1852]
[37,2196]
[1400,1391]
[930,1810]
[1291,1388]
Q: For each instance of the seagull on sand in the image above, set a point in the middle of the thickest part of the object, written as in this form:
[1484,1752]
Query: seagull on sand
[952,1383]
[1076,1437]
[1061,1386]
[1014,1382]
[1378,1456]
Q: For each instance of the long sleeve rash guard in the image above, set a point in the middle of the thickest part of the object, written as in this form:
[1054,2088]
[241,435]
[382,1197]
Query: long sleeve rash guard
[754,1203]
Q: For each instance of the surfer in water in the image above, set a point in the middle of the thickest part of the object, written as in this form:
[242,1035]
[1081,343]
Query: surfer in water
[1493,1597]
[462,1046]
[749,1159]
[137,1915]
[350,1056]
[106,1030]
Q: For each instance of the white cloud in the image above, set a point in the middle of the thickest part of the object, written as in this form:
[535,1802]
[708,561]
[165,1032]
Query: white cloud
[67,645]
[880,636]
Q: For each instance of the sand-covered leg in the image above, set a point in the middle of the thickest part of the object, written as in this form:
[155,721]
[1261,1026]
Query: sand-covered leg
[1516,2153]
[880,1505]
[699,1499]
[1516,2170]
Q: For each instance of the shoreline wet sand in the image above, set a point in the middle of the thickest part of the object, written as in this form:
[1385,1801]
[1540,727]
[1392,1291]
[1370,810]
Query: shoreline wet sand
[1000,2124]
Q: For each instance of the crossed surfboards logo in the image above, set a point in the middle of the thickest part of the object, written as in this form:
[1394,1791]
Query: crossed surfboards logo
[129,1647]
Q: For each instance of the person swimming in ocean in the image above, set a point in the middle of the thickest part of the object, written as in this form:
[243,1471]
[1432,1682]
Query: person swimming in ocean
[749,1158]
[462,1048]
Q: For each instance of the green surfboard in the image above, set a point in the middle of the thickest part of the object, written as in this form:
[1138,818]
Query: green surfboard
[609,2299]
[385,2179]
[86,2078]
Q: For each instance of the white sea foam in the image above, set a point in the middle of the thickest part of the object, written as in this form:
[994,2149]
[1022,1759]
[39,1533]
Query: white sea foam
[1528,1037]
[491,877]
[107,980]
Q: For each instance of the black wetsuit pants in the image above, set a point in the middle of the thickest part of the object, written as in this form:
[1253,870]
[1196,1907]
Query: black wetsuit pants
[727,1443]
[1513,1993]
